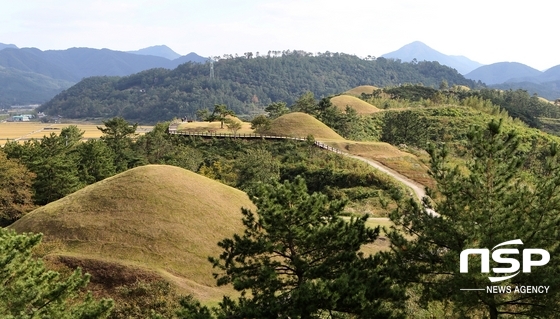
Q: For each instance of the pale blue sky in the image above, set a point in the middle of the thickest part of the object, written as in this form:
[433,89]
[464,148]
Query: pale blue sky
[485,31]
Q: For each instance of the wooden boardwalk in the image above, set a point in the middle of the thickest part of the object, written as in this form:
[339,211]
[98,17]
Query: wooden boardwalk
[173,130]
[417,188]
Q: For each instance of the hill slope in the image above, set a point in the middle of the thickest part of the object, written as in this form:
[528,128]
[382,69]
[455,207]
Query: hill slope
[547,90]
[163,218]
[361,107]
[502,72]
[77,63]
[552,74]
[244,85]
[299,124]
[20,87]
[421,52]
[74,64]
[357,91]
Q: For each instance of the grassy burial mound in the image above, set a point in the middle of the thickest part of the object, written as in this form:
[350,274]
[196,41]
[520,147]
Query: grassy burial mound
[214,127]
[361,107]
[357,91]
[156,217]
[299,124]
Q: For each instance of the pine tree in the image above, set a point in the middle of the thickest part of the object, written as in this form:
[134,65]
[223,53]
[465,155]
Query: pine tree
[95,161]
[257,165]
[491,200]
[16,194]
[404,127]
[276,109]
[53,161]
[220,113]
[31,291]
[57,176]
[118,134]
[299,259]
[306,104]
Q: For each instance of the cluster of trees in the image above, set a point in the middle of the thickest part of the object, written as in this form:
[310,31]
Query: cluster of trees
[346,122]
[494,199]
[518,104]
[29,290]
[245,85]
[299,258]
[57,165]
[40,171]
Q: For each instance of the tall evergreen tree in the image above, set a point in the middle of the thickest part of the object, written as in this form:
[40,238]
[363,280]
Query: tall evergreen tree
[156,144]
[306,104]
[276,109]
[220,113]
[95,161]
[53,160]
[257,165]
[299,259]
[404,127]
[31,291]
[489,201]
[118,134]
[16,194]
[57,176]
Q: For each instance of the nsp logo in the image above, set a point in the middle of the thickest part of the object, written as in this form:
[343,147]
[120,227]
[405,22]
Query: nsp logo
[497,257]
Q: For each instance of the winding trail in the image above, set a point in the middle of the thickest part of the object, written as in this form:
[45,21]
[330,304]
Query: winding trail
[417,188]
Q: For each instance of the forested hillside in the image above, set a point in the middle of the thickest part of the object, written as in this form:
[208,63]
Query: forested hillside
[245,84]
[20,87]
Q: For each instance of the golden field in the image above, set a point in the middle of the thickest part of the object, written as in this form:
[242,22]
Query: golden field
[23,131]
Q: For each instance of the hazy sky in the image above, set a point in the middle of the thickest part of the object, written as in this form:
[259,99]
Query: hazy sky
[485,31]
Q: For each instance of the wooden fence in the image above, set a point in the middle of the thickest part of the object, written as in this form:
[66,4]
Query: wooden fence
[173,130]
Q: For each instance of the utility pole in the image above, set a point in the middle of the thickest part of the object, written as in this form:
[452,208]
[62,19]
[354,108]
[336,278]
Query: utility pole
[211,68]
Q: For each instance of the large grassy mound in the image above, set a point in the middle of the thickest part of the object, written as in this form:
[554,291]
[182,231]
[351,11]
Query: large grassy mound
[357,91]
[156,217]
[301,125]
[361,106]
[214,127]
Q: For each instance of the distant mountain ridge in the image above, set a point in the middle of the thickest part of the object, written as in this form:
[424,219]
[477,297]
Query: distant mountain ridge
[245,85]
[165,52]
[421,52]
[158,50]
[20,87]
[5,46]
[67,67]
[75,64]
[514,75]
[503,72]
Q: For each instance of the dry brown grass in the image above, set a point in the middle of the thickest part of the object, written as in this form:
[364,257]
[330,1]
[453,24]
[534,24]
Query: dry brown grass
[28,130]
[542,99]
[461,88]
[361,106]
[157,217]
[357,91]
[299,124]
[404,163]
[214,127]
